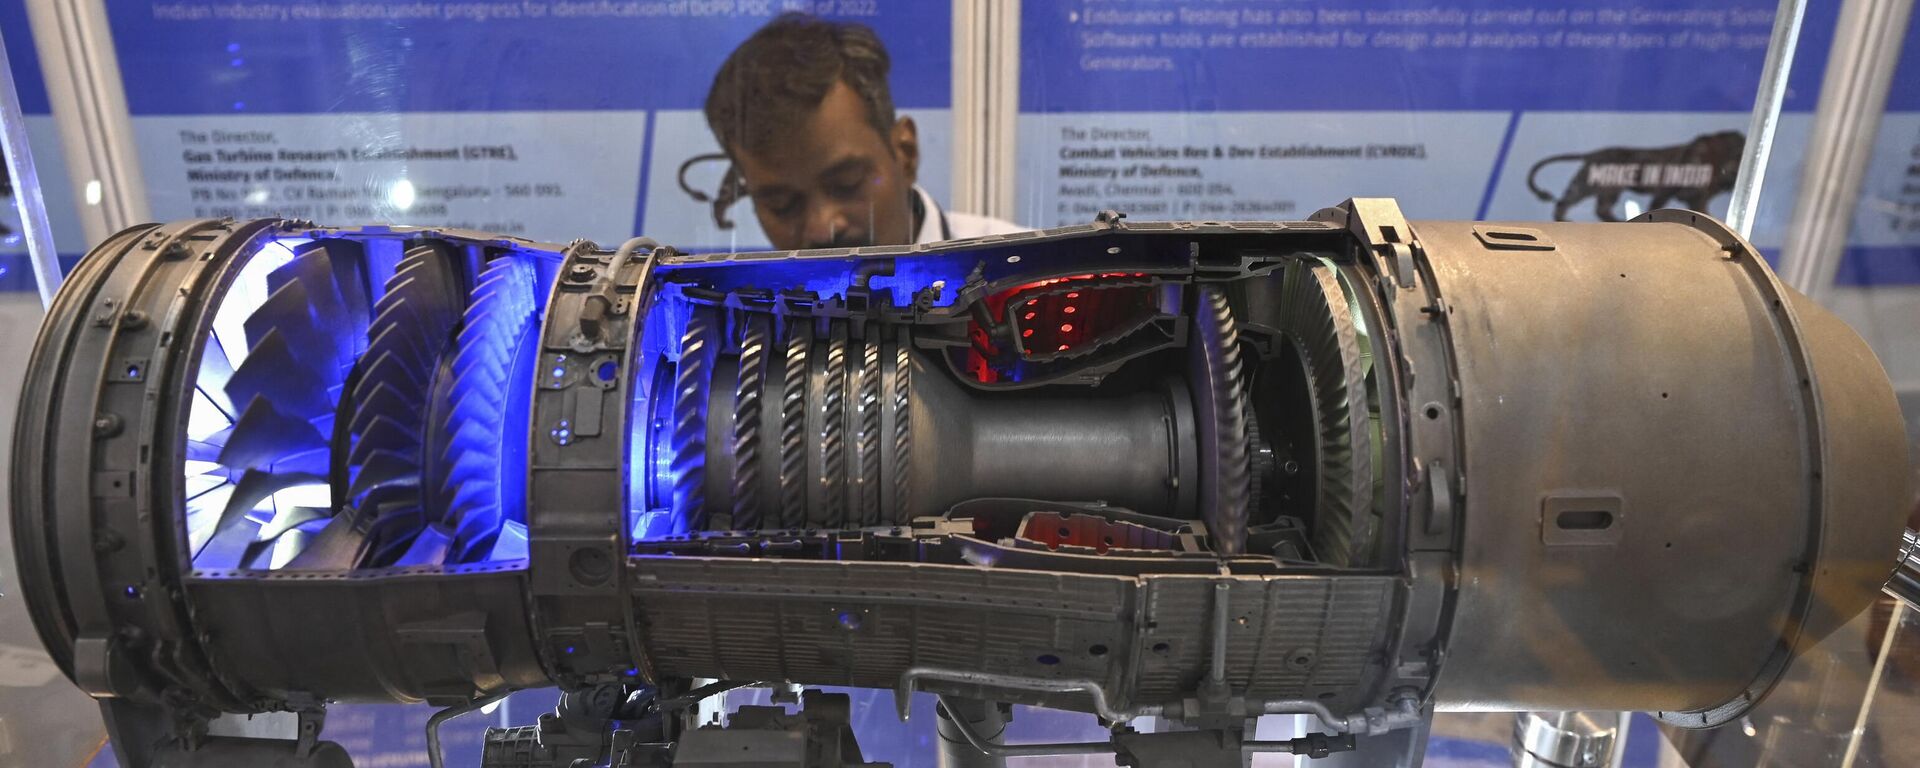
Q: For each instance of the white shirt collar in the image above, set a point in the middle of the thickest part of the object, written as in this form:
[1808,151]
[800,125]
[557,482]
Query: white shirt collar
[933,219]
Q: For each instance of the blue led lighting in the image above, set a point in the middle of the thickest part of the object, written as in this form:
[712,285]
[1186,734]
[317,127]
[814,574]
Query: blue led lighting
[259,461]
[215,485]
[498,347]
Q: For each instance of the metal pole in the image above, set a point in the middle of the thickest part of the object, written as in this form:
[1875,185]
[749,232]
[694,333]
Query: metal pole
[1002,193]
[1766,115]
[1853,94]
[1566,739]
[26,186]
[1873,685]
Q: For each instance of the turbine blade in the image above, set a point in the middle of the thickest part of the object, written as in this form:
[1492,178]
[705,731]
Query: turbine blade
[264,434]
[275,369]
[290,518]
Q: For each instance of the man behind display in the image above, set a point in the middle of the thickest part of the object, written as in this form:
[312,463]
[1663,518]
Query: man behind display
[803,110]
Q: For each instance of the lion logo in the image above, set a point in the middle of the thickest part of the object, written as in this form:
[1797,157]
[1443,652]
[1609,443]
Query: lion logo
[1693,173]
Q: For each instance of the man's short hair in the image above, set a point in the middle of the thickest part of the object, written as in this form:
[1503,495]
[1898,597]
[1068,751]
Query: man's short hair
[781,74]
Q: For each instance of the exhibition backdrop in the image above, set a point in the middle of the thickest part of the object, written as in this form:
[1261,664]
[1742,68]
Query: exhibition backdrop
[1503,109]
[563,118]
[556,119]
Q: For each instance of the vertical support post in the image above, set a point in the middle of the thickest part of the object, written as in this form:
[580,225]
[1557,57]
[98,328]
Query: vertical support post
[90,107]
[26,186]
[1853,94]
[1002,107]
[969,107]
[1766,115]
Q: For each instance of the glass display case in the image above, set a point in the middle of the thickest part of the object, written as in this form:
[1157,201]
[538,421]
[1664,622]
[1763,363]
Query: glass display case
[558,120]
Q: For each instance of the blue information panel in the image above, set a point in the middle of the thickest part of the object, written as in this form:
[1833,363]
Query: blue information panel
[552,119]
[1885,246]
[1503,109]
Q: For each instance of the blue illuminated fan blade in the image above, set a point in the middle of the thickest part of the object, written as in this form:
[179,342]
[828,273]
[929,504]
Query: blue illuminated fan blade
[471,460]
[419,290]
[393,530]
[255,487]
[498,332]
[392,433]
[475,406]
[226,548]
[287,311]
[302,340]
[337,546]
[413,322]
[264,434]
[345,258]
[383,469]
[429,547]
[389,401]
[313,268]
[395,337]
[275,370]
[512,542]
[401,381]
[215,369]
[198,450]
[288,518]
[195,486]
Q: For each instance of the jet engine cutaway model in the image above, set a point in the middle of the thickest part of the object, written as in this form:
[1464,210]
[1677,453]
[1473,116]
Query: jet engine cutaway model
[1350,468]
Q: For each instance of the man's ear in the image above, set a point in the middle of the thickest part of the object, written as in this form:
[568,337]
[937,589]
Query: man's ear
[906,146]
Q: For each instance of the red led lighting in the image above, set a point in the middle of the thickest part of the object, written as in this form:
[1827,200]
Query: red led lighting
[1100,306]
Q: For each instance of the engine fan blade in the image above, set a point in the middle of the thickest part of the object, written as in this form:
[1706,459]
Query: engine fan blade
[274,368]
[289,518]
[265,435]
[412,325]
[429,547]
[287,311]
[303,339]
[314,267]
[497,332]
[255,487]
[383,469]
[337,546]
[216,368]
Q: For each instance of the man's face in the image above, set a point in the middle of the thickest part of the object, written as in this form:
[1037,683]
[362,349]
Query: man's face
[834,181]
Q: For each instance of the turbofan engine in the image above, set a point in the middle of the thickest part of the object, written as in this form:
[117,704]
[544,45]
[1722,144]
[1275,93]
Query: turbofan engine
[1351,468]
